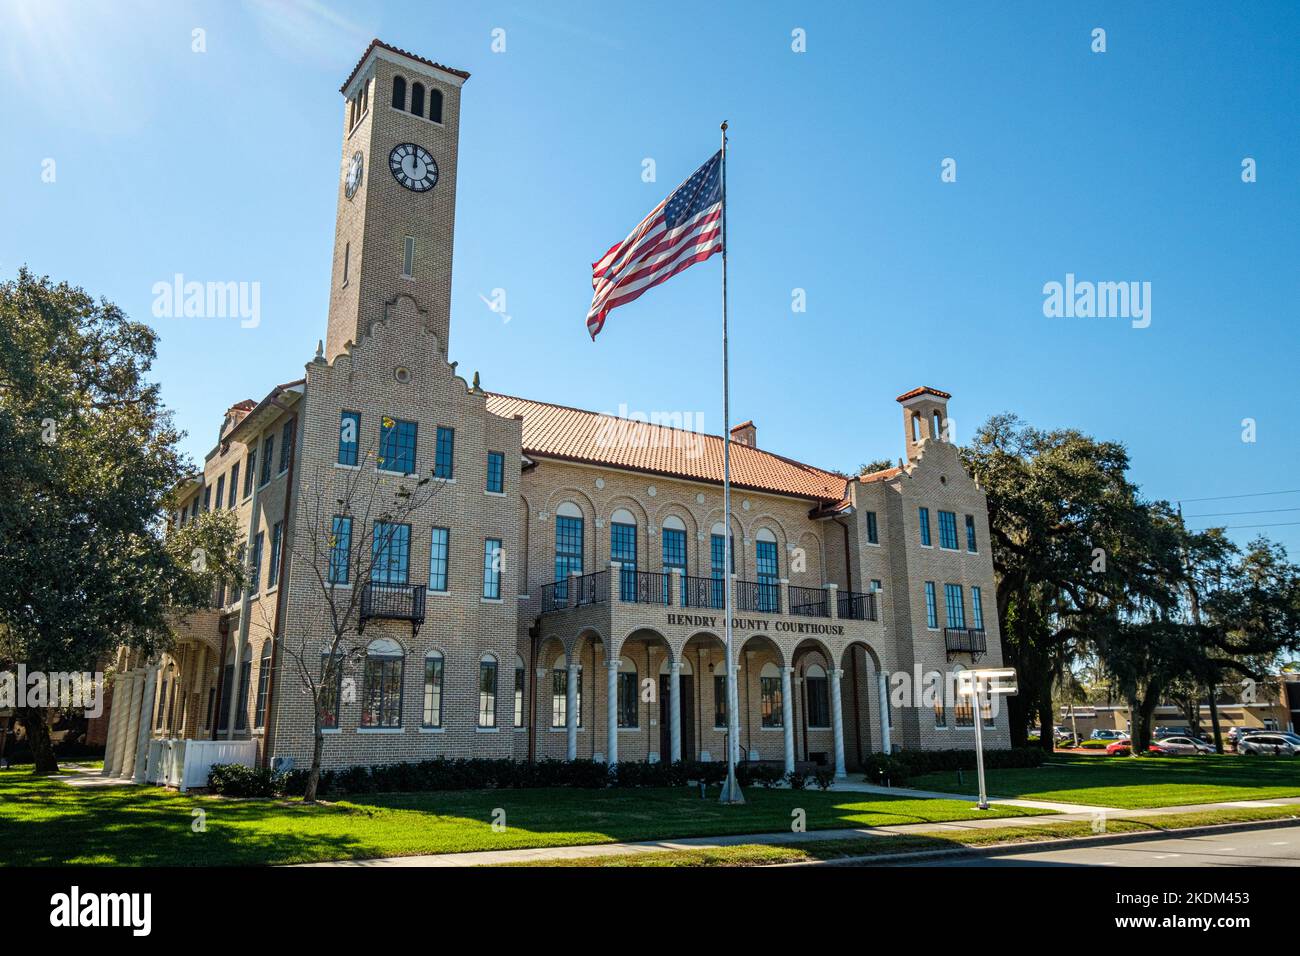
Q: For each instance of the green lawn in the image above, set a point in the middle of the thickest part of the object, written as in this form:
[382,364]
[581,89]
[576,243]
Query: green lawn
[46,822]
[1135,782]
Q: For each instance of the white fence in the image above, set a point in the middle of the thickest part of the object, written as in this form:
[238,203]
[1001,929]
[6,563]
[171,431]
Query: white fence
[185,763]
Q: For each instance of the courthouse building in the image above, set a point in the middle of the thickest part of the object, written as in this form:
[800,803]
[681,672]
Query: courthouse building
[556,587]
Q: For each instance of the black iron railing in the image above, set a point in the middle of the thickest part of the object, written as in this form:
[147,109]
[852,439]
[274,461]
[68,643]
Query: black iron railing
[555,596]
[392,602]
[703,592]
[967,640]
[761,596]
[593,588]
[645,587]
[809,602]
[857,606]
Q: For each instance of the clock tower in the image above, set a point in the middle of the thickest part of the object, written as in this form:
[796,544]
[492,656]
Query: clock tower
[396,194]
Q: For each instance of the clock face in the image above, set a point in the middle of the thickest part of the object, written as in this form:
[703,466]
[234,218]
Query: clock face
[352,181]
[413,167]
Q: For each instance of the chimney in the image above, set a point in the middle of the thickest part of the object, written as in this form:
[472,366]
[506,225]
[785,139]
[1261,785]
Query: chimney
[925,418]
[745,434]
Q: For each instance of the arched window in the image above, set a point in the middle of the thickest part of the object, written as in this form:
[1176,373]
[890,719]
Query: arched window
[717,562]
[399,93]
[916,427]
[381,693]
[559,692]
[817,696]
[365,97]
[622,548]
[673,539]
[628,696]
[263,685]
[432,690]
[767,565]
[568,546]
[520,681]
[241,697]
[963,710]
[937,432]
[769,685]
[417,99]
[435,104]
[487,691]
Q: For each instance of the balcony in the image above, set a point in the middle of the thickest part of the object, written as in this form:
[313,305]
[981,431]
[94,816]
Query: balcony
[965,640]
[763,597]
[392,602]
[809,602]
[857,606]
[704,592]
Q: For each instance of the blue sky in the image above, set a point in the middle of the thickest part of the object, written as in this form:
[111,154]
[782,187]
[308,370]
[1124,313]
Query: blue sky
[1115,166]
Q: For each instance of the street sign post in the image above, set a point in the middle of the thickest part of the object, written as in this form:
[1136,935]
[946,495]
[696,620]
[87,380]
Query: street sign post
[978,684]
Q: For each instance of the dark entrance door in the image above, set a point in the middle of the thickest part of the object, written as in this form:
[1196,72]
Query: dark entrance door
[687,694]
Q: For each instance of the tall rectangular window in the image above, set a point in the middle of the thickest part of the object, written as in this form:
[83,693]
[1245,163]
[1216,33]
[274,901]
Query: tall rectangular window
[873,533]
[255,572]
[819,698]
[340,543]
[381,695]
[433,690]
[234,486]
[349,437]
[250,473]
[717,562]
[444,453]
[221,490]
[560,696]
[492,568]
[769,687]
[391,548]
[207,498]
[408,257]
[263,688]
[496,472]
[955,602]
[397,445]
[923,515]
[568,552]
[487,692]
[439,539]
[948,530]
[627,699]
[674,556]
[769,571]
[286,444]
[940,712]
[720,700]
[268,453]
[622,548]
[272,575]
[347,255]
[970,534]
[931,611]
[963,712]
[977,609]
[519,695]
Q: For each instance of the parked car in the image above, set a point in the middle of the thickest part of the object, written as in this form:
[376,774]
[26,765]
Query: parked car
[1125,745]
[1275,743]
[1108,735]
[1185,745]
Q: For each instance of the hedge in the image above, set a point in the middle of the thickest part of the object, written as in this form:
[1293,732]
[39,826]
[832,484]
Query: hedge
[904,764]
[476,773]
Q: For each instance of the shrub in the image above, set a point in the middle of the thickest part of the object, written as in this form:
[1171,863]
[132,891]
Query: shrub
[824,777]
[797,779]
[236,780]
[904,764]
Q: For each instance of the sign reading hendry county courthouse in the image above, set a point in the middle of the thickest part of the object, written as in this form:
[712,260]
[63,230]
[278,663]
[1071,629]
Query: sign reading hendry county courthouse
[755,624]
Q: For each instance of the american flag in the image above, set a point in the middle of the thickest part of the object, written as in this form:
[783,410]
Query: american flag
[684,229]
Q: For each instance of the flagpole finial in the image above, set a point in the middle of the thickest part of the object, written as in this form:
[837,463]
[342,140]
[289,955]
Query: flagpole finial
[724,126]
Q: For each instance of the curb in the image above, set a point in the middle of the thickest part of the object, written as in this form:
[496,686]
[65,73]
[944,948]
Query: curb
[1067,843]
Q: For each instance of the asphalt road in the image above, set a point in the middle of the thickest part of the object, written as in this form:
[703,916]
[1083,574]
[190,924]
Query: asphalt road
[1277,846]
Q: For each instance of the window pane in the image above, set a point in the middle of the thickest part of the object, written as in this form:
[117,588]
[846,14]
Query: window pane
[349,435]
[444,453]
[433,692]
[391,549]
[340,550]
[487,693]
[923,515]
[397,445]
[496,472]
[438,559]
[770,688]
[931,611]
[568,552]
[492,568]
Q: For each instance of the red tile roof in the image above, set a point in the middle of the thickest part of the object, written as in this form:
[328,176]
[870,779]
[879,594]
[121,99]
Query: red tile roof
[923,390]
[571,434]
[392,49]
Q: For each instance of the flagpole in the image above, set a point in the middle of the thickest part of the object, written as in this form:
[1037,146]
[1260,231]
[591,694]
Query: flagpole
[731,788]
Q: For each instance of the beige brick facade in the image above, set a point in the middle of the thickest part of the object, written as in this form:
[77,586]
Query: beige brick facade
[384,357]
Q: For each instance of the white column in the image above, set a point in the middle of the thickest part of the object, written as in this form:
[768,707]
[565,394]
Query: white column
[141,742]
[675,711]
[543,710]
[882,688]
[116,717]
[611,709]
[837,722]
[787,718]
[571,712]
[127,768]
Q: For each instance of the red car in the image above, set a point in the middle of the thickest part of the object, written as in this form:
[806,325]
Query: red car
[1125,745]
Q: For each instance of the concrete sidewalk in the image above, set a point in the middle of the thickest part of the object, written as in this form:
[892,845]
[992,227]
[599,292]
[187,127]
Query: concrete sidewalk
[542,854]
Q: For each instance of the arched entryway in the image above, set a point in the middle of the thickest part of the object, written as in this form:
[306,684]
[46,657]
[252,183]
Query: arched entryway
[865,703]
[705,695]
